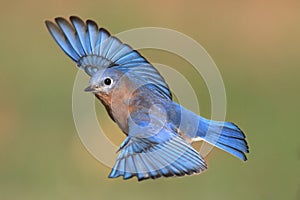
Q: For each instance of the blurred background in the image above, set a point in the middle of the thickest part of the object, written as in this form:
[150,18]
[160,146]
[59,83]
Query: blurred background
[255,45]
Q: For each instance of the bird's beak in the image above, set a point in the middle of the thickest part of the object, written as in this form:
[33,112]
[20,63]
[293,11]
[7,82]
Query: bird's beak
[89,89]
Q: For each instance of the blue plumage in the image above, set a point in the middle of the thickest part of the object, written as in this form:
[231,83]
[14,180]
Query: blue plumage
[159,131]
[93,49]
[163,154]
[224,135]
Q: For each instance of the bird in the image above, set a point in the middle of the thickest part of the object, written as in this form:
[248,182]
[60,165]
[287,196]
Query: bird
[159,132]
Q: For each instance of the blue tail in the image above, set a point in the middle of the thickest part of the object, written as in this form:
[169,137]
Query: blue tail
[224,135]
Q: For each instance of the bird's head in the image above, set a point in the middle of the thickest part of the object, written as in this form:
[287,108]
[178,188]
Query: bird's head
[101,82]
[110,83]
[105,81]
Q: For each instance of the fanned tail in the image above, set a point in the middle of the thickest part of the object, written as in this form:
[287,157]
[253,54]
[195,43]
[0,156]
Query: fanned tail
[224,135]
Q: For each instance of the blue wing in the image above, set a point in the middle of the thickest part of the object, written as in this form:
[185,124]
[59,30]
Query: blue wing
[93,48]
[149,152]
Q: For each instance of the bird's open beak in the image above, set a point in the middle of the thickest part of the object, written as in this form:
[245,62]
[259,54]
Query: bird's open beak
[89,89]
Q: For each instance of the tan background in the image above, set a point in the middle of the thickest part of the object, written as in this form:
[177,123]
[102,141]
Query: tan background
[256,46]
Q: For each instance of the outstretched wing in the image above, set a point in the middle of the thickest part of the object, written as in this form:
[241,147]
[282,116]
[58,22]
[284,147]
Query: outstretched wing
[147,154]
[93,48]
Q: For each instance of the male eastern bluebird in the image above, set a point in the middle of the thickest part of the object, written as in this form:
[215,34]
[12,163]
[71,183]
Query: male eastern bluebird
[136,97]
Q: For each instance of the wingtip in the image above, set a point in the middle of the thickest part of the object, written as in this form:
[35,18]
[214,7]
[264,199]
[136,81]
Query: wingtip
[47,21]
[90,23]
[105,31]
[63,21]
[58,19]
[49,24]
[76,19]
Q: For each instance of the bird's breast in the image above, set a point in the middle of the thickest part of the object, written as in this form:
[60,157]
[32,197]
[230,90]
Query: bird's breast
[117,108]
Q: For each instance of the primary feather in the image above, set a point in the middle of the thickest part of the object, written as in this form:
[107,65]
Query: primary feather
[93,48]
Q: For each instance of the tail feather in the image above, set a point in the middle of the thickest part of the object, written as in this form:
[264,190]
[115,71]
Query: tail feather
[224,135]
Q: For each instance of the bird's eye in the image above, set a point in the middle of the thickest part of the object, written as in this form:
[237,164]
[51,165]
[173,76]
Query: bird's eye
[108,81]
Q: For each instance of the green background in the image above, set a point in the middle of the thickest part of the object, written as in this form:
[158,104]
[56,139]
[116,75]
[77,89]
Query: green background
[256,46]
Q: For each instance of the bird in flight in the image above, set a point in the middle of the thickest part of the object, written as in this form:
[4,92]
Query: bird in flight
[159,131]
